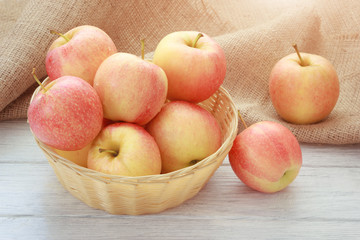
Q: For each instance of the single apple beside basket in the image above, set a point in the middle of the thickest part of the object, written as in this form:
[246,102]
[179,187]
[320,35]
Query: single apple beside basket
[304,87]
[266,156]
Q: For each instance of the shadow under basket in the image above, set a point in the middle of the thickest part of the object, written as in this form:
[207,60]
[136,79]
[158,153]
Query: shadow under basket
[147,194]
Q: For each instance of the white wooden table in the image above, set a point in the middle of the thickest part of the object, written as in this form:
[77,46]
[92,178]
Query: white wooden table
[322,203]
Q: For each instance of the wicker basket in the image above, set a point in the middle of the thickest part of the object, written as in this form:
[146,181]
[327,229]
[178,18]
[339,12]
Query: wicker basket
[147,194]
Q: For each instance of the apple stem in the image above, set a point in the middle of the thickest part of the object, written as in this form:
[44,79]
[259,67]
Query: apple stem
[113,152]
[61,35]
[38,81]
[142,41]
[197,39]
[242,120]
[298,53]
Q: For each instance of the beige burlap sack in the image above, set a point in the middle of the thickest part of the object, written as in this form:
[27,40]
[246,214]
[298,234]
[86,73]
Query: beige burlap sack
[253,34]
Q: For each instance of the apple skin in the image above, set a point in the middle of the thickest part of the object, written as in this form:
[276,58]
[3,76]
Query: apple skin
[78,157]
[185,134]
[68,116]
[88,47]
[303,94]
[138,153]
[130,88]
[194,74]
[266,156]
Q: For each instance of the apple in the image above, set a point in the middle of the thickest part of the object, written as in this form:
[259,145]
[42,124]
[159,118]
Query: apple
[194,64]
[266,156]
[79,53]
[66,114]
[125,149]
[185,134]
[131,89]
[304,88]
[78,157]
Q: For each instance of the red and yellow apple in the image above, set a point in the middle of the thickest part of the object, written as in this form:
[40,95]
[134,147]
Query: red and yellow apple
[266,156]
[130,88]
[125,149]
[79,53]
[194,64]
[185,134]
[304,88]
[66,114]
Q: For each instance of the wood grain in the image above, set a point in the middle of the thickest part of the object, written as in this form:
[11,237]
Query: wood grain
[322,202]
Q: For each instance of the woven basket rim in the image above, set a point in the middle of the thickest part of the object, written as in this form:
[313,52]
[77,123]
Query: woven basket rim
[164,177]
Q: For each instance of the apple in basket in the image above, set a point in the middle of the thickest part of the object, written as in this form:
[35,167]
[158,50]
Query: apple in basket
[125,149]
[266,156]
[78,157]
[66,114]
[131,89]
[79,52]
[194,64]
[304,88]
[185,134]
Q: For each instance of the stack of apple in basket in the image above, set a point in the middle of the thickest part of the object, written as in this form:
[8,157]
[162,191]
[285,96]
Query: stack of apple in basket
[128,135]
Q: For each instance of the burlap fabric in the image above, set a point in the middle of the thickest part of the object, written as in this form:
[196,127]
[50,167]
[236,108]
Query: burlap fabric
[253,34]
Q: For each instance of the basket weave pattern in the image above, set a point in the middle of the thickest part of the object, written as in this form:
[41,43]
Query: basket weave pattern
[147,194]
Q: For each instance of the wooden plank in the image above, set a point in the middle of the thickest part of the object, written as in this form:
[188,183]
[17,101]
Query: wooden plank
[160,227]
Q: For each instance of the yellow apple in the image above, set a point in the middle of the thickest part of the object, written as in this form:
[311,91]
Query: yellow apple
[125,149]
[185,134]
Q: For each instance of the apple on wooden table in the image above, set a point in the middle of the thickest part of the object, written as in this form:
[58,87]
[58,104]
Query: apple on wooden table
[79,53]
[185,134]
[66,114]
[194,64]
[131,89]
[125,149]
[304,88]
[266,156]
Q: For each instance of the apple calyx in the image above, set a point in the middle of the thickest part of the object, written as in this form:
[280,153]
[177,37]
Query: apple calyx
[193,162]
[242,120]
[38,81]
[61,35]
[112,152]
[302,62]
[197,39]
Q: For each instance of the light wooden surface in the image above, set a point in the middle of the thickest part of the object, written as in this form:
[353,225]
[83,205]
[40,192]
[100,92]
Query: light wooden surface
[322,203]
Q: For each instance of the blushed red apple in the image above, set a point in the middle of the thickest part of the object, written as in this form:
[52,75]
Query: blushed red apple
[194,63]
[304,88]
[125,149]
[131,89]
[185,134]
[66,114]
[79,52]
[266,156]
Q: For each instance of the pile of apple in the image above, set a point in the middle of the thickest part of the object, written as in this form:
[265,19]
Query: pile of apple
[120,114]
[117,113]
